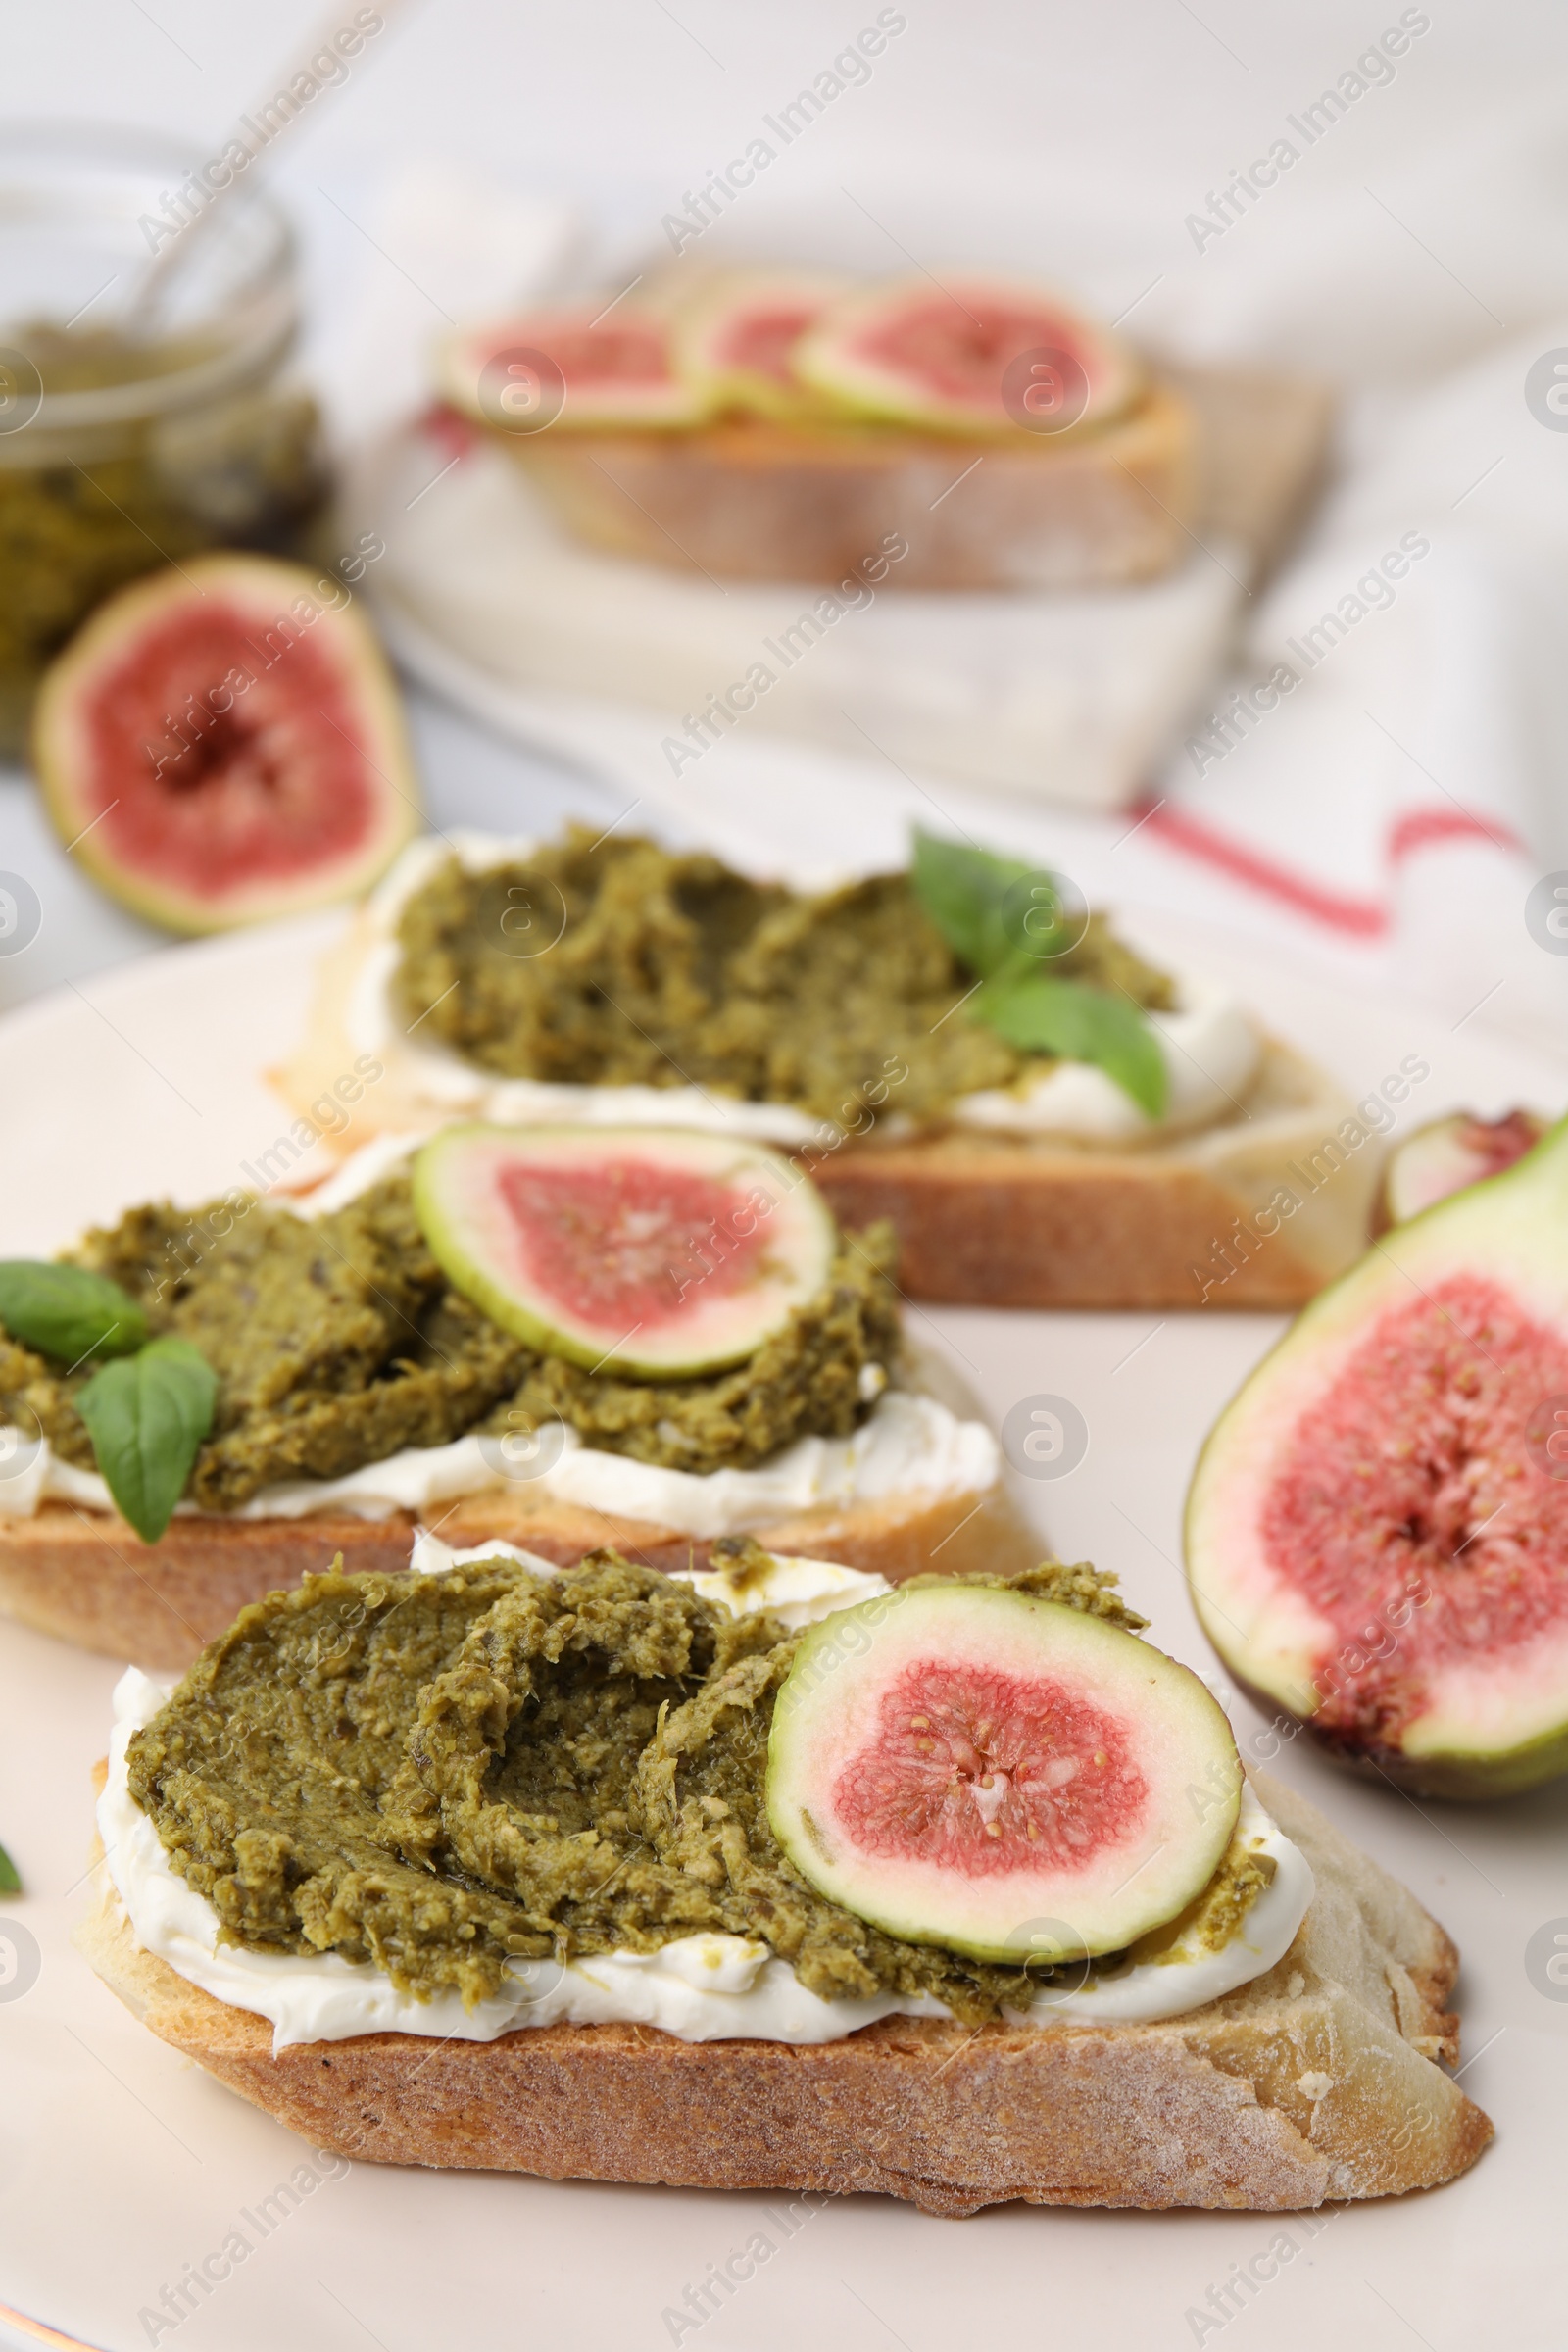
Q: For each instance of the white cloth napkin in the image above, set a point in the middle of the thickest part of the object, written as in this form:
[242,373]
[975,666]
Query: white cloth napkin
[1397,806]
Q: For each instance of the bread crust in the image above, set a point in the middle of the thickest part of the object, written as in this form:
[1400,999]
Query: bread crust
[1007,1226]
[87,1578]
[1315,2081]
[1186,1222]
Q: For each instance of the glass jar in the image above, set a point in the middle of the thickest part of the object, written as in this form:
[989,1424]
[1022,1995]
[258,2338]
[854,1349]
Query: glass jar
[134,433]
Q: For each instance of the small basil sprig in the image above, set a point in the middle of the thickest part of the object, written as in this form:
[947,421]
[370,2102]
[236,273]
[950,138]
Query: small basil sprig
[1049,1015]
[10,1876]
[68,1312]
[146,1415]
[965,891]
[146,1411]
[989,912]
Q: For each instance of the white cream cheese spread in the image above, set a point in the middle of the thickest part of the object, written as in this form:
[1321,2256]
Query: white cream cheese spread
[907,1444]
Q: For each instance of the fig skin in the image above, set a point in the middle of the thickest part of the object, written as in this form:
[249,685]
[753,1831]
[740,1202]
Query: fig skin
[1458,1779]
[454,1189]
[1494,1145]
[1462,1779]
[466,361]
[832,1721]
[1453,1236]
[729,386]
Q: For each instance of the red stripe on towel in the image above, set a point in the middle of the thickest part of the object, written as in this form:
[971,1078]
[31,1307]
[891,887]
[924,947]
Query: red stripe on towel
[1425,826]
[1358,918]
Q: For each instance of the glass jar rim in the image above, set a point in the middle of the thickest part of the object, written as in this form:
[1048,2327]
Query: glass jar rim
[256,316]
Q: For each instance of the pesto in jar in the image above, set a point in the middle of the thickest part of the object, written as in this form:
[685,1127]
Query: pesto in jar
[88,505]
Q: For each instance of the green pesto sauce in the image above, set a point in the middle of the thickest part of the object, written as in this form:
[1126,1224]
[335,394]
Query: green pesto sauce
[1219,1910]
[435,1773]
[673,970]
[337,1341]
[84,511]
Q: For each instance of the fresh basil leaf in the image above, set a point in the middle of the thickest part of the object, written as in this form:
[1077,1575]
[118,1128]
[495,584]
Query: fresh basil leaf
[146,1415]
[1044,1014]
[964,891]
[10,1876]
[1001,918]
[67,1311]
[990,920]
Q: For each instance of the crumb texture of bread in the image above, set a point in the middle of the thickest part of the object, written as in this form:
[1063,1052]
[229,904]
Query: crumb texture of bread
[87,1578]
[1316,2081]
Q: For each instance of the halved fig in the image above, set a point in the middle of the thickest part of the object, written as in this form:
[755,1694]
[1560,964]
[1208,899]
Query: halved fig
[652,1252]
[735,344]
[973,1767]
[1449,1153]
[588,366]
[223,742]
[975,356]
[1377,1533]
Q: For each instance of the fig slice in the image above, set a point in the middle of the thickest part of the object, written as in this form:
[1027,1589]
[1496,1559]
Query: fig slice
[734,344]
[1443,1158]
[223,742]
[652,1252]
[975,356]
[1377,1532]
[969,1765]
[583,367]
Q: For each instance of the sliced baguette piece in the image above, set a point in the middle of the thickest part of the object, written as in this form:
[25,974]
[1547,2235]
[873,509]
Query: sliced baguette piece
[87,1578]
[986,1219]
[1223,458]
[747,499]
[1317,2080]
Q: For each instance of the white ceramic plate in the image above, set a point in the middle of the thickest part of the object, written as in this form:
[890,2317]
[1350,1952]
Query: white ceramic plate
[121,2165]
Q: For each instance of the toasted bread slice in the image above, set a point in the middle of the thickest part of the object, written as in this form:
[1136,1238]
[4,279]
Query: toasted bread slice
[746,499]
[1317,2080]
[1208,457]
[88,1578]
